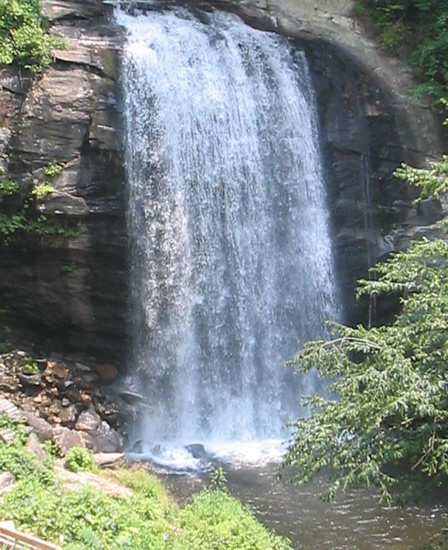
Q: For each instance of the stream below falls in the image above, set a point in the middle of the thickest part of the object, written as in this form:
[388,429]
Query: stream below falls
[355,521]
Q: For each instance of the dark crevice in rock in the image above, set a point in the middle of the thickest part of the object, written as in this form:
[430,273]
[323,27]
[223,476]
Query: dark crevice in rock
[11,90]
[63,65]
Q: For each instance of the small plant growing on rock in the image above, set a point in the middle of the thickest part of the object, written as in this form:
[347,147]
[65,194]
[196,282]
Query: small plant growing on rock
[24,38]
[79,460]
[8,187]
[218,480]
[53,169]
[42,190]
[67,268]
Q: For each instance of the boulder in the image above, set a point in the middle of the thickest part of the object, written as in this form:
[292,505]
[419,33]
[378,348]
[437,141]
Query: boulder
[39,426]
[88,421]
[7,435]
[104,440]
[7,481]
[66,439]
[106,372]
[33,446]
[68,414]
[30,380]
[9,409]
[109,460]
[197,450]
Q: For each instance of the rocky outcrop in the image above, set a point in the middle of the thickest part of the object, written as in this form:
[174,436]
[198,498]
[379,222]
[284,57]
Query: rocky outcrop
[59,401]
[363,142]
[69,288]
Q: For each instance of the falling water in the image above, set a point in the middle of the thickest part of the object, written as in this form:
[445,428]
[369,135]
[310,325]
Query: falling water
[231,262]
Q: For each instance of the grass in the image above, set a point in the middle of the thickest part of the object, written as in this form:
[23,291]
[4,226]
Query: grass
[147,520]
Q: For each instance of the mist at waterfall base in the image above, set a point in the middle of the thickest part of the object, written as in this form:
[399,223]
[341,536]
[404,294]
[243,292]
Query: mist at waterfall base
[231,259]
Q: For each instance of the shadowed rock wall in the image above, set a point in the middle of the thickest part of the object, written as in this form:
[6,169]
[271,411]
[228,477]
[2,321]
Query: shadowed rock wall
[70,292]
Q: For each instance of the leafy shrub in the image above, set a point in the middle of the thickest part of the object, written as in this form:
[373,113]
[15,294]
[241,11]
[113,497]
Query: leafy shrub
[53,169]
[23,35]
[386,420]
[420,26]
[20,462]
[139,480]
[8,187]
[42,190]
[216,520]
[79,460]
[26,219]
[218,480]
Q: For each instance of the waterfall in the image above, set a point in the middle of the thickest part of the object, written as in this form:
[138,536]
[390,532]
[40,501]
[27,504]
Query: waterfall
[231,260]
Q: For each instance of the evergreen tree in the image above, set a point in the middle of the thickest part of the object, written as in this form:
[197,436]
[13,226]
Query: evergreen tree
[386,419]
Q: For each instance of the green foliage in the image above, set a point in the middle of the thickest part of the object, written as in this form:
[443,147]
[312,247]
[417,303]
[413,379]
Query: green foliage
[27,220]
[31,367]
[42,190]
[432,181]
[142,482]
[53,169]
[216,520]
[67,268]
[23,35]
[79,460]
[148,519]
[218,480]
[388,418]
[8,187]
[419,26]
[17,460]
[22,223]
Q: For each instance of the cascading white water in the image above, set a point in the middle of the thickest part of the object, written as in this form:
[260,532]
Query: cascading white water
[231,261]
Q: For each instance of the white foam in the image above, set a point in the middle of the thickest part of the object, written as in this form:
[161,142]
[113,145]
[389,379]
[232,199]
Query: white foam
[170,458]
[175,457]
[247,453]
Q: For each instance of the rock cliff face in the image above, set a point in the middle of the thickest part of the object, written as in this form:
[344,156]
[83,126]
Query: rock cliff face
[71,291]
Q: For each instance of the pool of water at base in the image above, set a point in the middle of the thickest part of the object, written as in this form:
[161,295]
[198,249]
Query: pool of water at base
[355,521]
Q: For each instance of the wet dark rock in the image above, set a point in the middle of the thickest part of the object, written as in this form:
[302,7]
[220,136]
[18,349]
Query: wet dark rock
[137,447]
[30,380]
[91,378]
[83,368]
[106,372]
[104,440]
[197,450]
[131,398]
[68,291]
